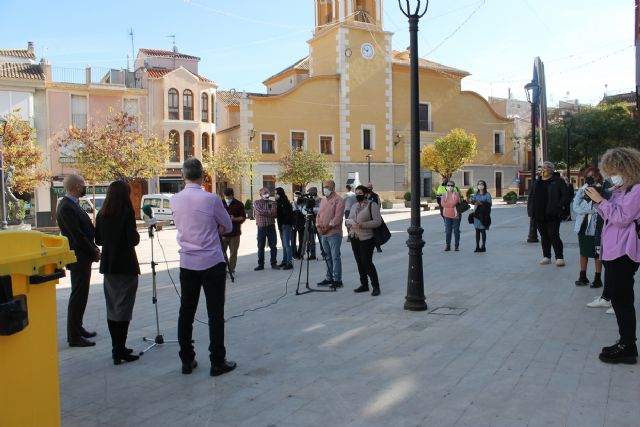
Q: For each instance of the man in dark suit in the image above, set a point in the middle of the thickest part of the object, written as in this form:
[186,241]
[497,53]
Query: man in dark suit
[76,226]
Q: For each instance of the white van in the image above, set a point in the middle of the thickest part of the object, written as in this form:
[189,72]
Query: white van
[159,205]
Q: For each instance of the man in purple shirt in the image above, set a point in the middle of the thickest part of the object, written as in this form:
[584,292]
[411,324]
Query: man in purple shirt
[200,218]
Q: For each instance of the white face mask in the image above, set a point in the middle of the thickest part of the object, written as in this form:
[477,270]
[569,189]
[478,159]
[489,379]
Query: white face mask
[449,188]
[480,187]
[265,196]
[617,180]
[326,192]
[228,201]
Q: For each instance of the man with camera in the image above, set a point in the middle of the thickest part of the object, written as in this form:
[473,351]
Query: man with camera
[265,212]
[329,225]
[200,219]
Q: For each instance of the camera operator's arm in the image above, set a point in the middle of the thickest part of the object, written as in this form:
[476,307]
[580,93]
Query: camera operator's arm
[622,210]
[580,205]
[222,217]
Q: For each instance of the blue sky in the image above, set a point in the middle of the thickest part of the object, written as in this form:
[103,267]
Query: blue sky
[585,44]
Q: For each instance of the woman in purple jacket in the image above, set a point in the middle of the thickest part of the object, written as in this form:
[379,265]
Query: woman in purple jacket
[620,250]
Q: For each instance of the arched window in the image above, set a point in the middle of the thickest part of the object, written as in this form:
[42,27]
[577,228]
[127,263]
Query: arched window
[187,105]
[205,143]
[173,104]
[213,108]
[188,145]
[204,100]
[174,146]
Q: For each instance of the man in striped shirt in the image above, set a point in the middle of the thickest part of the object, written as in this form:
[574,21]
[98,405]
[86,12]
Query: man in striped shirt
[265,212]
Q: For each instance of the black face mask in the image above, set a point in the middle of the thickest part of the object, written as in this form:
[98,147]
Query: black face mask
[360,197]
[84,191]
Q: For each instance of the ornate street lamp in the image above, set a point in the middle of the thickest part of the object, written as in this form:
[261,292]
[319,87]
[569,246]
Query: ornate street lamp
[532,92]
[567,120]
[3,127]
[368,156]
[415,299]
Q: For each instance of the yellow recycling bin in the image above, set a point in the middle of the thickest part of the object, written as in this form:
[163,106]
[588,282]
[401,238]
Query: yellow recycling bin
[30,265]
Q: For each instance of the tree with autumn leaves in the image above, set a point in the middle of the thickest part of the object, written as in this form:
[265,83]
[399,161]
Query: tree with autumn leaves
[449,153]
[301,167]
[115,150]
[231,163]
[21,150]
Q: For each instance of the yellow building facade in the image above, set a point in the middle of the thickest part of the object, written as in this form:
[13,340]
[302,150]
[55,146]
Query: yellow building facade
[349,99]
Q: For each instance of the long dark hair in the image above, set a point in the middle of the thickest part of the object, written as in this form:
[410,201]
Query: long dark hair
[282,199]
[485,186]
[118,200]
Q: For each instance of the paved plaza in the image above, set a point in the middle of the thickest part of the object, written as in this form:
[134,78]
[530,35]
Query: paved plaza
[523,353]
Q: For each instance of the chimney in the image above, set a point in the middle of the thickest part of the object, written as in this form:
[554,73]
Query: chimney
[46,69]
[30,48]
[175,49]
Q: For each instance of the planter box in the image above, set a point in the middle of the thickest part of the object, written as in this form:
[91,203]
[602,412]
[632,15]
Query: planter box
[250,214]
[387,205]
[407,204]
[511,202]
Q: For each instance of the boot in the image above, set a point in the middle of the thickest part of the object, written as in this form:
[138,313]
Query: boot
[120,353]
[483,248]
[597,281]
[447,248]
[477,249]
[621,353]
[376,290]
[364,287]
[582,280]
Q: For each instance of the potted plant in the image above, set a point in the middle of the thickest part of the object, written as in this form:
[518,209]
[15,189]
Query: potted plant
[510,198]
[248,206]
[16,212]
[387,204]
[407,199]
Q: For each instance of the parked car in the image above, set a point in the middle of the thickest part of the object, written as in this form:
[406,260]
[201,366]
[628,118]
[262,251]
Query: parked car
[160,206]
[99,201]
[85,204]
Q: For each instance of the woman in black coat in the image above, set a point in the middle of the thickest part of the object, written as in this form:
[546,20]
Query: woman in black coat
[117,234]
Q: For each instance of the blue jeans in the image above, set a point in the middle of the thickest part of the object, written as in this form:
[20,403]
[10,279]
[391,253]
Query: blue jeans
[285,238]
[264,234]
[331,246]
[452,225]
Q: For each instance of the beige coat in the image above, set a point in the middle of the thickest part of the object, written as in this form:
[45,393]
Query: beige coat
[360,214]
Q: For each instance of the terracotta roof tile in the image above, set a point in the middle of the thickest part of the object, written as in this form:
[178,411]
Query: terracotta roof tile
[230,97]
[157,73]
[12,70]
[18,53]
[302,64]
[167,53]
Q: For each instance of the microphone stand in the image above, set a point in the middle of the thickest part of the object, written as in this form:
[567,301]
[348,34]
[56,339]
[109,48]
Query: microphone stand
[159,339]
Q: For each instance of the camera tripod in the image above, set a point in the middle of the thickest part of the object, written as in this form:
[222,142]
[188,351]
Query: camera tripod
[159,339]
[309,228]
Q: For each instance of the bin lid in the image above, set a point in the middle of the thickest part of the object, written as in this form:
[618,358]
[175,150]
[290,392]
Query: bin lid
[25,252]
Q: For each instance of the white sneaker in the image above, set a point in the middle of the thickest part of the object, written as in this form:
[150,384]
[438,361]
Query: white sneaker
[599,302]
[545,261]
[610,311]
[560,263]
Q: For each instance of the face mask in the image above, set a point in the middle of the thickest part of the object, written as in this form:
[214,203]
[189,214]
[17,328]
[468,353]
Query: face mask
[617,180]
[360,197]
[449,188]
[480,187]
[228,201]
[265,196]
[84,191]
[545,174]
[326,192]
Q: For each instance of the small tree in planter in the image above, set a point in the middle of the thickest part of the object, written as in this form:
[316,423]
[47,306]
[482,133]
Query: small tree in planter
[407,199]
[510,198]
[16,212]
[248,206]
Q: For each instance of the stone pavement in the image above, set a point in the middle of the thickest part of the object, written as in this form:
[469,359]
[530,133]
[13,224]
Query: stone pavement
[524,353]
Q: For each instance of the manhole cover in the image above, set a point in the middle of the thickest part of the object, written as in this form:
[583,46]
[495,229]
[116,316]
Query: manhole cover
[448,311]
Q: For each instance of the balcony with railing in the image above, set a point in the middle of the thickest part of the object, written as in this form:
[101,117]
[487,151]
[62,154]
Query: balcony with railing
[98,76]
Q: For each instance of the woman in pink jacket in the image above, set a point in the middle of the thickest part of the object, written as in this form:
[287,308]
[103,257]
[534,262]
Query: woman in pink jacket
[451,216]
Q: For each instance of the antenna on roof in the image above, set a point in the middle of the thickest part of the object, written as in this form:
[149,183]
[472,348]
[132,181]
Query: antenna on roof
[173,36]
[133,51]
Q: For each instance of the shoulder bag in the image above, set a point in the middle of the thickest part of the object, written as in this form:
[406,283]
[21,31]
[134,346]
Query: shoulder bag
[381,234]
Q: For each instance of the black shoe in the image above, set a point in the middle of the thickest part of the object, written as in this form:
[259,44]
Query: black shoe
[337,284]
[288,267]
[610,348]
[282,264]
[124,357]
[483,249]
[582,281]
[457,248]
[223,368]
[362,288]
[477,249]
[258,268]
[375,292]
[379,250]
[275,267]
[597,283]
[622,353]
[325,282]
[87,334]
[311,257]
[447,248]
[81,342]
[188,367]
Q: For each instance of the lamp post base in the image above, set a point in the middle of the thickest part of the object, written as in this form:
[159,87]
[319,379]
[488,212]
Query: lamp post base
[533,232]
[415,299]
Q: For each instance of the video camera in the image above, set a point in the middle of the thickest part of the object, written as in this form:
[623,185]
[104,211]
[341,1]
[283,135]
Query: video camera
[591,182]
[308,200]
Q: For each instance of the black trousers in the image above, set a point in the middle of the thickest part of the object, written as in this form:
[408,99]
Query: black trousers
[213,281]
[363,253]
[80,278]
[550,236]
[618,279]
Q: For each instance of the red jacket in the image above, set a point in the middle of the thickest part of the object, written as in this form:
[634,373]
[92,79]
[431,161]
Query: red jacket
[449,201]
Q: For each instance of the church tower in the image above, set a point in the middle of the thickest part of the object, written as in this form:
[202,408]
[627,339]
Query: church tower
[349,41]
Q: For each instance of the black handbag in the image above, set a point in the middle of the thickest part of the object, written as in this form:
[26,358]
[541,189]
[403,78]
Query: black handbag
[381,234]
[462,206]
[470,218]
